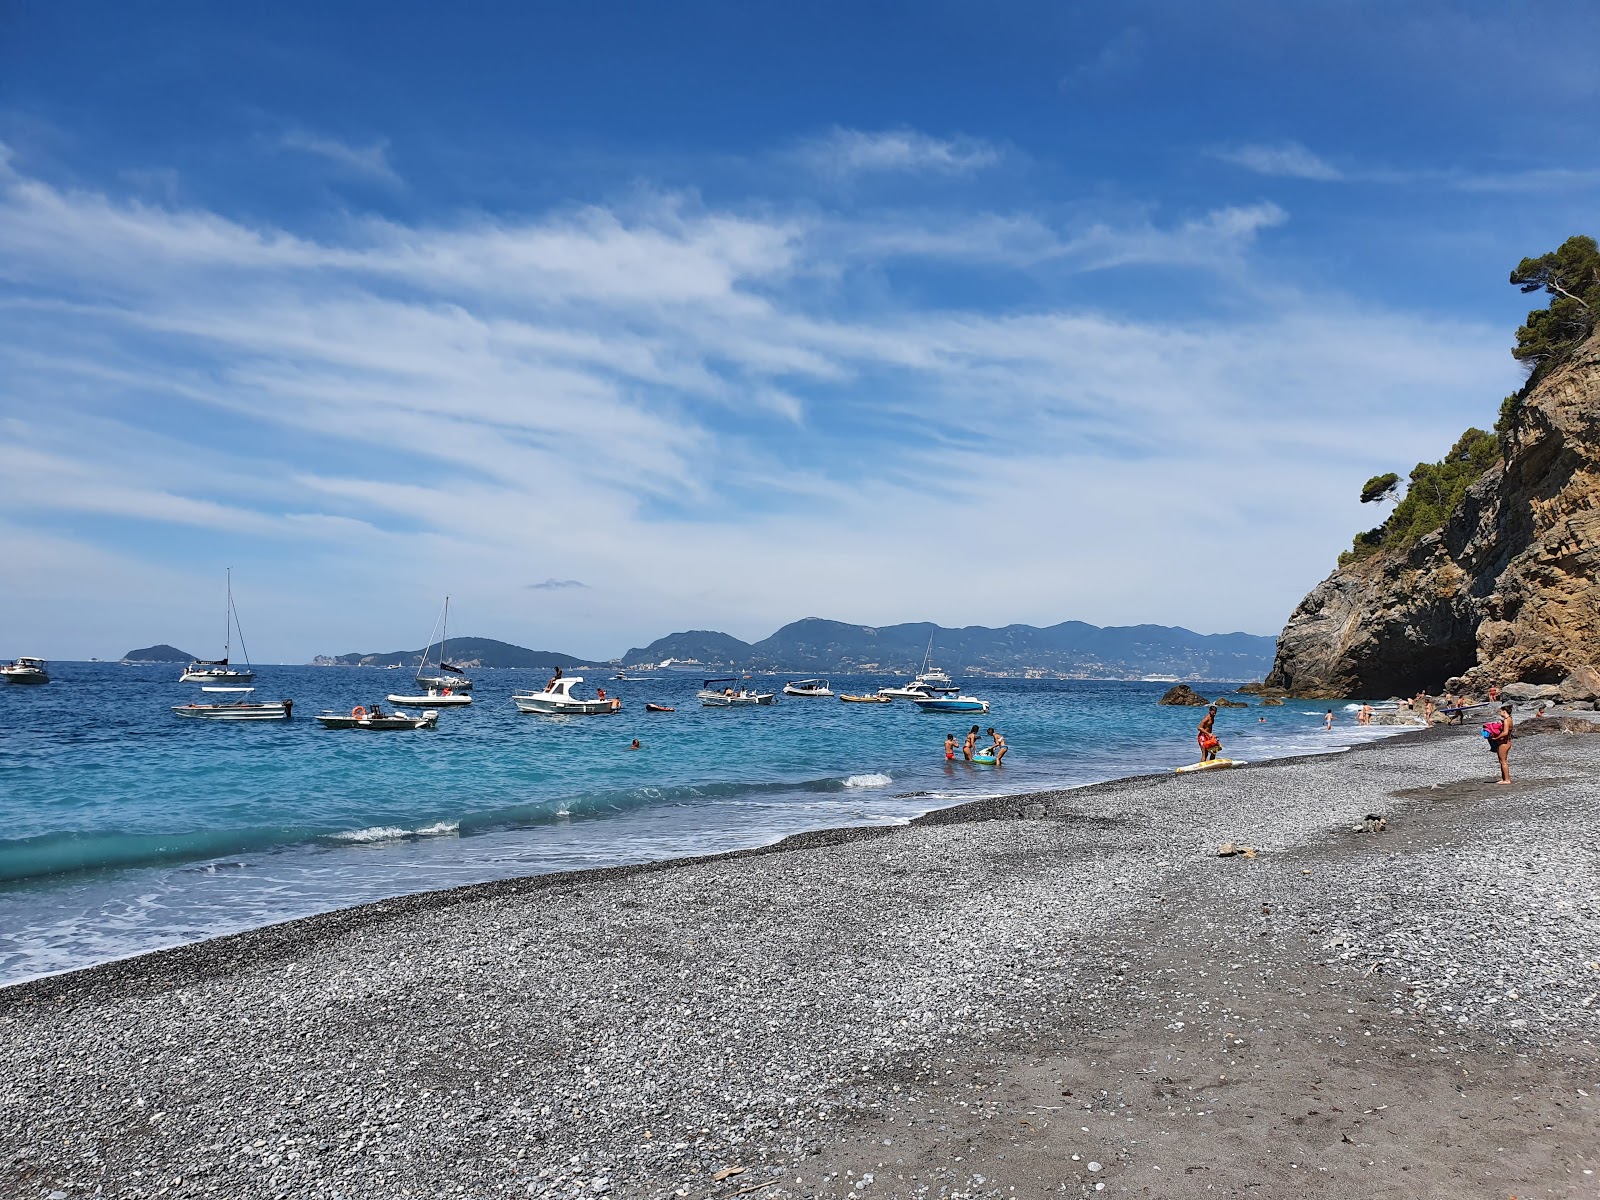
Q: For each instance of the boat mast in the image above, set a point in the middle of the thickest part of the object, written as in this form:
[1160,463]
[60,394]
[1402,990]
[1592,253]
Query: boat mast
[227,622]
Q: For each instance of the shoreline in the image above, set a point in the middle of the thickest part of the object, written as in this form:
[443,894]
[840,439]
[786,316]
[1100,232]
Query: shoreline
[956,1007]
[215,954]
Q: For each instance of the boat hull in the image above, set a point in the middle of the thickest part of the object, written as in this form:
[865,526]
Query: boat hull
[440,682]
[217,677]
[709,700]
[25,676]
[264,710]
[952,704]
[539,706]
[822,692]
[394,721]
[430,701]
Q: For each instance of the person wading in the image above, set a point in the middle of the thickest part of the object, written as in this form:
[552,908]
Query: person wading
[1209,745]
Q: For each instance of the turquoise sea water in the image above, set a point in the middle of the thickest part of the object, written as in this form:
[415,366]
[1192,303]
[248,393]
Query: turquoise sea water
[127,828]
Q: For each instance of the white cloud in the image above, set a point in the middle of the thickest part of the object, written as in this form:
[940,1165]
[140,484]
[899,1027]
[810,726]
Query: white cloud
[849,152]
[1287,159]
[371,161]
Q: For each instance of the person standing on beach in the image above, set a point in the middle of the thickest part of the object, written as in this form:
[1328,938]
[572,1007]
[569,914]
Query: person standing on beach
[1209,745]
[949,747]
[1500,741]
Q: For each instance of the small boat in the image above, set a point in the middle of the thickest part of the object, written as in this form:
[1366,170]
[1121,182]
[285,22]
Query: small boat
[445,675]
[238,710]
[951,704]
[557,700]
[807,687]
[712,696]
[234,690]
[361,717]
[933,679]
[908,691]
[434,697]
[218,670]
[659,708]
[867,699]
[26,670]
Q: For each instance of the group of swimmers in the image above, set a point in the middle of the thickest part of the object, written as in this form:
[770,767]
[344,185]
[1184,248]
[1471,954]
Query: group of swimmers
[996,749]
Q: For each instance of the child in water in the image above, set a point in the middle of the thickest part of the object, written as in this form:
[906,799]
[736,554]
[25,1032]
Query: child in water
[949,747]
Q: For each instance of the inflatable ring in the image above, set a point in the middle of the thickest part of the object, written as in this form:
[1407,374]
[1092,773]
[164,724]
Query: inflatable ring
[358,712]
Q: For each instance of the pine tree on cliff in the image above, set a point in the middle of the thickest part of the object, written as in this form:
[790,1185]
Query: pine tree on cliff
[1570,276]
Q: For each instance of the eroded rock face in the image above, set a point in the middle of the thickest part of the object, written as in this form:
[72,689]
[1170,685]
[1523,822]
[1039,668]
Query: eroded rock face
[1183,694]
[1507,591]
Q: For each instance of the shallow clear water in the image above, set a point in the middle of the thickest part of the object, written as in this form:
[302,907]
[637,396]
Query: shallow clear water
[128,828]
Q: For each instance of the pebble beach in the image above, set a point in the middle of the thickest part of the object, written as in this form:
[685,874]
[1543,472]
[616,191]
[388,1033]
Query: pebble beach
[1065,993]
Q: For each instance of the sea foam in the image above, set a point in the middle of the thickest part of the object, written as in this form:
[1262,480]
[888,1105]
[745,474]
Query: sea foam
[874,780]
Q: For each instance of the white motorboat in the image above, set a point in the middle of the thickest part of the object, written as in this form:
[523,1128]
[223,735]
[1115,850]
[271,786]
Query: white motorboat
[712,696]
[557,700]
[906,691]
[434,697]
[807,687]
[956,703]
[445,675]
[25,670]
[934,679]
[361,717]
[218,670]
[238,710]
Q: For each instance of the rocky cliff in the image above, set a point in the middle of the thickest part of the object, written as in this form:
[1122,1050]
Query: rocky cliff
[1507,590]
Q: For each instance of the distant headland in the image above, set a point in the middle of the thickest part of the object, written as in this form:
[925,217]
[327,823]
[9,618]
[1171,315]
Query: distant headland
[158,654]
[1072,649]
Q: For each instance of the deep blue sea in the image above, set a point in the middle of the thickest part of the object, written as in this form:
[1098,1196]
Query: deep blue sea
[128,828]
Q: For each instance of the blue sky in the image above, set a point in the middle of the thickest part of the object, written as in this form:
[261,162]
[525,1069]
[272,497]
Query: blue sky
[613,319]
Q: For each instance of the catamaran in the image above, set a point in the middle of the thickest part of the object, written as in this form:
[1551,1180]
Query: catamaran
[218,670]
[445,675]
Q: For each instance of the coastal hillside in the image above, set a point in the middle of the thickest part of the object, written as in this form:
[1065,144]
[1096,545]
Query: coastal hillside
[463,652]
[1488,571]
[1072,648]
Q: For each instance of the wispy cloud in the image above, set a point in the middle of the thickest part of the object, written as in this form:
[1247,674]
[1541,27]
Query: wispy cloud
[1286,159]
[625,389]
[371,160]
[849,152]
[1293,161]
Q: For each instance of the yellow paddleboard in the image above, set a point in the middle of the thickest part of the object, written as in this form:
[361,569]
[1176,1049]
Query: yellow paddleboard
[1214,764]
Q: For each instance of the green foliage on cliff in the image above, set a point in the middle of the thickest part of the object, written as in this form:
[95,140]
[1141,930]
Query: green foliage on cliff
[1380,487]
[1432,495]
[1570,276]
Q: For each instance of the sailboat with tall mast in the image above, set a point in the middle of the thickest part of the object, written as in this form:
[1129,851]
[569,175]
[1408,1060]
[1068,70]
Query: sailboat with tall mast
[220,670]
[445,674]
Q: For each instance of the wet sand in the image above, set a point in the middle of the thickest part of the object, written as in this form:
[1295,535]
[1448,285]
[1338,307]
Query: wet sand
[956,1008]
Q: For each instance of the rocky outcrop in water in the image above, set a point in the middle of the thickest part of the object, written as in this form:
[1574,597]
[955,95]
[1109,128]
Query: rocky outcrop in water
[1185,695]
[1508,590]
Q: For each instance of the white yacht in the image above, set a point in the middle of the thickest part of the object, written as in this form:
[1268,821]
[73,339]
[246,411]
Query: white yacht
[219,670]
[433,697]
[25,670]
[557,700]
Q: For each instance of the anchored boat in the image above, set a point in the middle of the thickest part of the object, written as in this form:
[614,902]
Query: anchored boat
[445,675]
[237,710]
[951,704]
[361,717]
[218,670]
[557,700]
[807,687]
[711,696]
[25,670]
[434,697]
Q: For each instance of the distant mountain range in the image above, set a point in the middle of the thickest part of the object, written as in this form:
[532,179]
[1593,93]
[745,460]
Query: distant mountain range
[463,652]
[1073,649]
[158,654]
